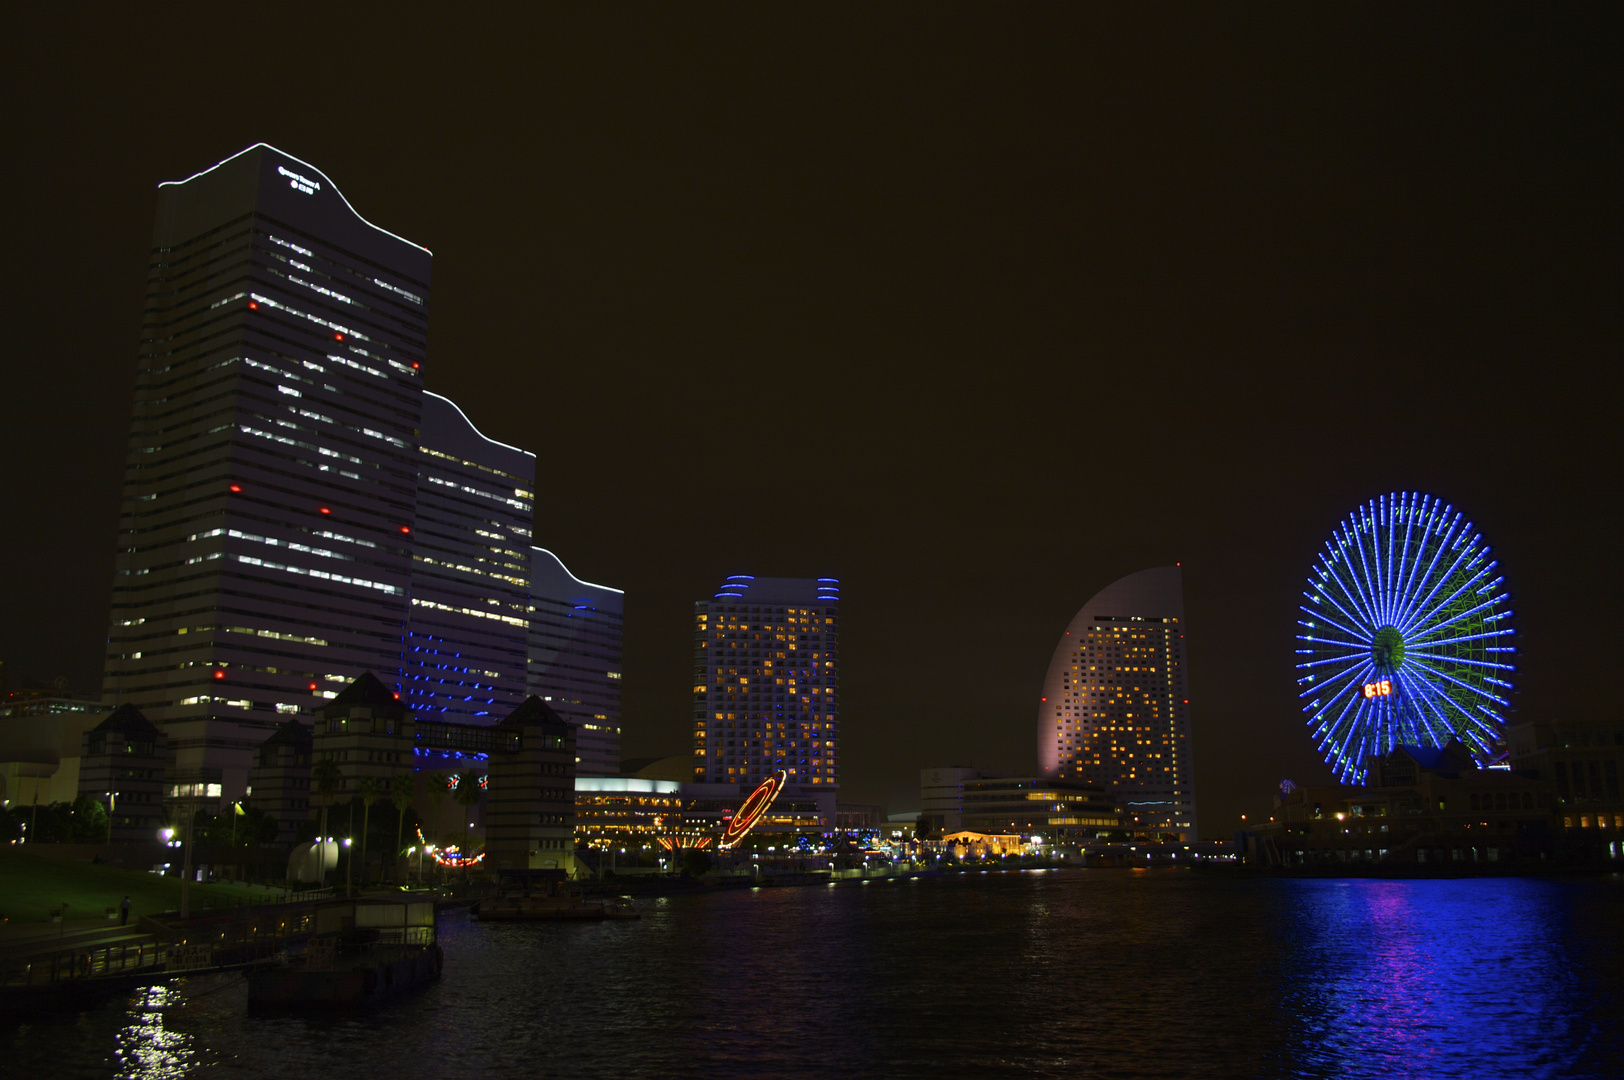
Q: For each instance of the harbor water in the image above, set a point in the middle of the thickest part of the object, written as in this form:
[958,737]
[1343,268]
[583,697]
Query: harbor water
[1077,973]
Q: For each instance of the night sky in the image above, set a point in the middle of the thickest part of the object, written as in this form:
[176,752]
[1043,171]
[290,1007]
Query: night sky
[976,309]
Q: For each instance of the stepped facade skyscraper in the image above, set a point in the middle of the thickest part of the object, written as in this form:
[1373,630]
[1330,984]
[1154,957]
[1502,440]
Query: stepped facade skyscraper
[297,509]
[1115,708]
[265,537]
[575,633]
[767,682]
[467,632]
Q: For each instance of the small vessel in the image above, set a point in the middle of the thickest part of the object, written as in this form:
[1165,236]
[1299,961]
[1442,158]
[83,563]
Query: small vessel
[363,952]
[620,907]
[553,905]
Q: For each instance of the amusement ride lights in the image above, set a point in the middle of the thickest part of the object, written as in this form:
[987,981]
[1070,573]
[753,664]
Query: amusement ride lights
[1405,638]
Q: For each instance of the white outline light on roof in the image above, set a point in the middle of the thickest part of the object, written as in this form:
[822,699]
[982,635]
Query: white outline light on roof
[312,168]
[578,581]
[481,434]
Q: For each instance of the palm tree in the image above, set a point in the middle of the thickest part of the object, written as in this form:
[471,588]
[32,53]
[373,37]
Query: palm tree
[468,796]
[438,786]
[371,790]
[402,790]
[329,780]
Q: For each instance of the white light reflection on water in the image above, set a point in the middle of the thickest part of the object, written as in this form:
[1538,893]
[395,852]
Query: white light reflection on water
[147,1049]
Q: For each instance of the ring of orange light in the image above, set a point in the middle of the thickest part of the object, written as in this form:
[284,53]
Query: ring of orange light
[755,804]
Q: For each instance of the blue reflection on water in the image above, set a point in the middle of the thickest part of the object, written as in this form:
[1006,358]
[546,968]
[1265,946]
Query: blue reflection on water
[1075,974]
[1430,978]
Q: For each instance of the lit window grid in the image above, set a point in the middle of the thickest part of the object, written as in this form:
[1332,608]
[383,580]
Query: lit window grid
[755,714]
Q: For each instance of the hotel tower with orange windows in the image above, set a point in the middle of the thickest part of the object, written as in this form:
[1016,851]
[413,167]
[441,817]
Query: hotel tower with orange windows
[1115,709]
[767,682]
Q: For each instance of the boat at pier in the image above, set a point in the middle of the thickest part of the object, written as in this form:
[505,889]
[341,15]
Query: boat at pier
[362,952]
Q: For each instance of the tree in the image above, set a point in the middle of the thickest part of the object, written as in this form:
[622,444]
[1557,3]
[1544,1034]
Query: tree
[922,828]
[468,793]
[371,790]
[402,790]
[438,786]
[329,781]
[695,864]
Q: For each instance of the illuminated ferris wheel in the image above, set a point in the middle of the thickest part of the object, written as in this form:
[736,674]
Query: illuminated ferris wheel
[1406,635]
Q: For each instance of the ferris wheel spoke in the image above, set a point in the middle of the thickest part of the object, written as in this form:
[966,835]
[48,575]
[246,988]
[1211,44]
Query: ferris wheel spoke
[1429,643]
[1427,706]
[1438,580]
[1363,676]
[1399,579]
[1467,660]
[1453,681]
[1468,613]
[1394,512]
[1371,594]
[1362,655]
[1358,636]
[1356,631]
[1420,576]
[1433,607]
[1364,615]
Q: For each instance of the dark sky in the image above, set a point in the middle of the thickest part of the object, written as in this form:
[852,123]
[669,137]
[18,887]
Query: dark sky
[976,309]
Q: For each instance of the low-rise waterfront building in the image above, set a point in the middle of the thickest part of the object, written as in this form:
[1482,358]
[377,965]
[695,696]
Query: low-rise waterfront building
[632,812]
[1063,811]
[530,794]
[1578,763]
[1427,805]
[279,781]
[41,740]
[122,767]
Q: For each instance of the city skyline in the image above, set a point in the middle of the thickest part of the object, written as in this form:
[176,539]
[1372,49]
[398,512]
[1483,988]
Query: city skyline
[983,391]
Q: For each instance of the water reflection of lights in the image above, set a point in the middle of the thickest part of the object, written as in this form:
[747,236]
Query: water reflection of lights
[146,1048]
[1410,978]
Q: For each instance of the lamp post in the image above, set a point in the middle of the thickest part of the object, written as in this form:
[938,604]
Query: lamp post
[186,853]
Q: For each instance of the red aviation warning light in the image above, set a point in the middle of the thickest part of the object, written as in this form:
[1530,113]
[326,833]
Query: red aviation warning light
[253,305]
[325,510]
[754,806]
[235,488]
[338,337]
[219,674]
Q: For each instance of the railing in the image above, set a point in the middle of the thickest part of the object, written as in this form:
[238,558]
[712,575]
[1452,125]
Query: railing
[89,963]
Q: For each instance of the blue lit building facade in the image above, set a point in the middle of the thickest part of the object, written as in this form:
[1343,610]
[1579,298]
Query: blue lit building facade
[1115,712]
[767,683]
[574,658]
[466,638]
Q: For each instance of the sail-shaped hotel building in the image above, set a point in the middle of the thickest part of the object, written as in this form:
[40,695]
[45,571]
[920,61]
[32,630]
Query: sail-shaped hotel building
[1115,711]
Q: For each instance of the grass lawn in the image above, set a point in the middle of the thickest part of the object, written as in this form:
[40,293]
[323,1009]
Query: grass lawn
[31,885]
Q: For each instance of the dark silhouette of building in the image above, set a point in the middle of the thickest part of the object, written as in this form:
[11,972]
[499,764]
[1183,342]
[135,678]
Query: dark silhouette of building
[530,792]
[279,783]
[122,767]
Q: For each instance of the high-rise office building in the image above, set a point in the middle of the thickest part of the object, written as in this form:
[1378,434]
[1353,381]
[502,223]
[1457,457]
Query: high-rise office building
[1116,702]
[467,634]
[575,631]
[265,541]
[767,682]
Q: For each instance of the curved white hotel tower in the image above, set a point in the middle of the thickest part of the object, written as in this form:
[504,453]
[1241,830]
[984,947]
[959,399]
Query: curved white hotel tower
[1116,703]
